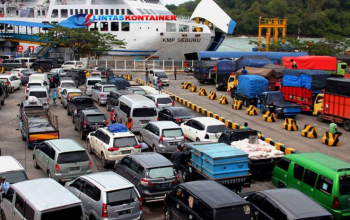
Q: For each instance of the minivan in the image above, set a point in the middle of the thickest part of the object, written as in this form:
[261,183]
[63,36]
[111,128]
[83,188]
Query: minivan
[41,93]
[321,177]
[107,195]
[40,199]
[28,61]
[90,82]
[141,109]
[12,170]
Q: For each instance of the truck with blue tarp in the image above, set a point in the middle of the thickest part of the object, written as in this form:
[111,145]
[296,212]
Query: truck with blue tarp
[250,88]
[219,162]
[215,72]
[257,61]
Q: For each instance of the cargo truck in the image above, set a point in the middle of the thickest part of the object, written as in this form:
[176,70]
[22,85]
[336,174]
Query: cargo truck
[334,104]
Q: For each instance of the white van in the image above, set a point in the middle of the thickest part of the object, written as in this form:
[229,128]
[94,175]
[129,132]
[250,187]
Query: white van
[28,61]
[12,170]
[41,93]
[40,199]
[41,76]
[141,109]
[90,82]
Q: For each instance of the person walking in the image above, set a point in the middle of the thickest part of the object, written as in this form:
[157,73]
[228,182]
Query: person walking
[155,81]
[175,72]
[294,64]
[177,158]
[146,75]
[129,122]
[272,107]
[244,71]
[4,185]
[333,128]
[159,83]
[54,97]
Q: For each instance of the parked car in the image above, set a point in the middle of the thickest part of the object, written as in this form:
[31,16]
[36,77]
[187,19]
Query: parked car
[12,82]
[91,82]
[24,75]
[175,114]
[34,83]
[105,71]
[111,146]
[287,204]
[12,170]
[19,72]
[77,75]
[203,200]
[87,121]
[162,136]
[73,65]
[44,64]
[151,173]
[28,61]
[12,64]
[62,159]
[113,97]
[107,195]
[78,103]
[54,79]
[100,91]
[41,93]
[136,90]
[162,100]
[161,75]
[69,93]
[41,76]
[203,129]
[60,71]
[3,95]
[65,84]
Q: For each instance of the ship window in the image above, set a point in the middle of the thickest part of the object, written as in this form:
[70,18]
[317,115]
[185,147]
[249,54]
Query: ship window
[17,12]
[54,13]
[86,11]
[117,11]
[43,12]
[112,11]
[170,27]
[197,29]
[148,12]
[38,12]
[76,11]
[104,26]
[183,28]
[91,11]
[152,11]
[96,11]
[54,22]
[64,13]
[106,10]
[71,11]
[129,12]
[114,26]
[93,26]
[101,11]
[123,11]
[125,26]
[81,11]
[142,12]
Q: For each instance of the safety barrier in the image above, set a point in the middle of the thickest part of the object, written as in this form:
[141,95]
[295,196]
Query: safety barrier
[252,110]
[290,124]
[128,77]
[269,117]
[331,139]
[203,92]
[193,88]
[223,100]
[186,85]
[237,105]
[212,96]
[309,131]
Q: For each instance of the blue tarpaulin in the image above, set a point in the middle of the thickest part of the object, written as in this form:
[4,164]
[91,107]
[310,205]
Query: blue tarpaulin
[252,85]
[309,79]
[226,66]
[238,54]
[27,24]
[252,61]
[116,127]
[119,82]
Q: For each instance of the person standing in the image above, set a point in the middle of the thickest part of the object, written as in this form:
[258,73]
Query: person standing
[175,72]
[155,80]
[54,97]
[294,64]
[4,184]
[333,128]
[272,107]
[244,71]
[146,75]
[245,126]
[177,158]
[159,83]
[129,122]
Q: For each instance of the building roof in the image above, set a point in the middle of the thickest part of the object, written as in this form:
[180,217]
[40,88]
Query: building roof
[109,180]
[10,162]
[151,159]
[66,145]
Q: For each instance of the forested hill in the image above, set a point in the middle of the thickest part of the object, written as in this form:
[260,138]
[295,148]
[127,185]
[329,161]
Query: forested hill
[313,18]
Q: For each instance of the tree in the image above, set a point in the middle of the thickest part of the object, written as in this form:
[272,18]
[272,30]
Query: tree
[278,8]
[171,7]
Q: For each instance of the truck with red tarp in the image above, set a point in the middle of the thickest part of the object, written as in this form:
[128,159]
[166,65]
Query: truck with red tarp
[326,63]
[336,102]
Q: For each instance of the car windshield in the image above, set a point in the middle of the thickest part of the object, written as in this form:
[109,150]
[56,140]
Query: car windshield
[161,75]
[93,82]
[68,85]
[161,172]
[177,132]
[34,84]
[25,71]
[144,112]
[109,89]
[139,92]
[72,94]
[121,197]
[344,185]
[182,113]
[15,177]
[216,128]
[164,100]
[38,94]
[96,118]
[3,80]
[72,157]
[125,142]
[74,213]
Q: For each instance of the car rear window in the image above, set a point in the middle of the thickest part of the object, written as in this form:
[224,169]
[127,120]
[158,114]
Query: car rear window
[182,113]
[72,94]
[164,100]
[38,94]
[74,213]
[125,142]
[68,85]
[34,84]
[109,89]
[83,101]
[161,172]
[15,177]
[240,212]
[144,112]
[172,132]
[139,92]
[72,157]
[216,128]
[344,185]
[96,118]
[120,197]
[3,80]
[93,82]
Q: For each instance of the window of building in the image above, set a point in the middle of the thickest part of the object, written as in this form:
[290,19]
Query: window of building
[38,13]
[93,26]
[114,26]
[112,11]
[141,11]
[298,172]
[101,11]
[129,12]
[64,13]
[310,178]
[71,11]
[104,26]
[54,13]
[123,11]
[125,26]
[148,12]
[106,12]
[43,12]
[96,11]
[325,185]
[117,11]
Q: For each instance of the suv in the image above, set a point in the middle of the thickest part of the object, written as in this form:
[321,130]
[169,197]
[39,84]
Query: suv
[77,75]
[44,64]
[100,91]
[151,173]
[107,195]
[73,65]
[54,79]
[162,100]
[160,74]
[111,146]
[12,170]
[62,159]
[69,93]
[87,121]
[63,84]
[78,103]
[162,136]
[41,93]
[12,63]
[112,98]
[206,199]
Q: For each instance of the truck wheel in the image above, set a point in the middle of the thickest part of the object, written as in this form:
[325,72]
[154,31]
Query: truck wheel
[320,117]
[346,125]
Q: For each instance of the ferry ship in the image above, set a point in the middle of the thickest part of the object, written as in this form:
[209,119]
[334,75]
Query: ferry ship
[168,40]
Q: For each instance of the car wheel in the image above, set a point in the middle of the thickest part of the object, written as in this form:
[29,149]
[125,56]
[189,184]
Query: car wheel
[88,147]
[99,102]
[20,86]
[197,140]
[82,135]
[281,185]
[141,138]
[49,174]
[12,89]
[3,102]
[92,217]
[103,161]
[35,163]
[167,214]
[68,113]
[3,217]
[154,148]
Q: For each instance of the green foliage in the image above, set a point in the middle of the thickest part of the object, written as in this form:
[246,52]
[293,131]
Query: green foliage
[80,40]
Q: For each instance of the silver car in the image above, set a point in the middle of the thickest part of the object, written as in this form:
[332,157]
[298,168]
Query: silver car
[67,83]
[107,195]
[91,82]
[100,91]
[68,93]
[62,159]
[162,101]
[162,136]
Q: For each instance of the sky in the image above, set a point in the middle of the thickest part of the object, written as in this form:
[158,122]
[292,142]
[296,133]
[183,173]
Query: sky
[176,2]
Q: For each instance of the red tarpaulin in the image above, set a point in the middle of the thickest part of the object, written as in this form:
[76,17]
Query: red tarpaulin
[312,62]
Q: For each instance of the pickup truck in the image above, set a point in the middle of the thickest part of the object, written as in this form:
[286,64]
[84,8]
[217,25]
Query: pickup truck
[282,107]
[235,180]
[78,103]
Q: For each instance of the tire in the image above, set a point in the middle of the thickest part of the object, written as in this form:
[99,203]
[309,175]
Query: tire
[12,90]
[20,86]
[92,217]
[49,174]
[103,161]
[168,215]
[3,102]
[88,147]
[281,185]
[346,125]
[82,136]
[320,117]
[68,113]
[35,163]
[3,217]
[197,140]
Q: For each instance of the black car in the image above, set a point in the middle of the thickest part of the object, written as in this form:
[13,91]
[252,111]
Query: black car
[203,200]
[105,71]
[152,174]
[175,114]
[54,79]
[78,103]
[59,60]
[284,204]
[77,75]
[113,97]
[2,94]
[87,121]
[5,87]
[44,64]
[25,76]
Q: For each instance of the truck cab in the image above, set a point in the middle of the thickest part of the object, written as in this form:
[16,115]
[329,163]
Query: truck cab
[341,68]
[231,82]
[318,104]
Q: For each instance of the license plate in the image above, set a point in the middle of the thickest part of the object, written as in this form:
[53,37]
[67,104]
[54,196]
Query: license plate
[125,212]
[173,143]
[74,168]
[162,186]
[144,122]
[126,152]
